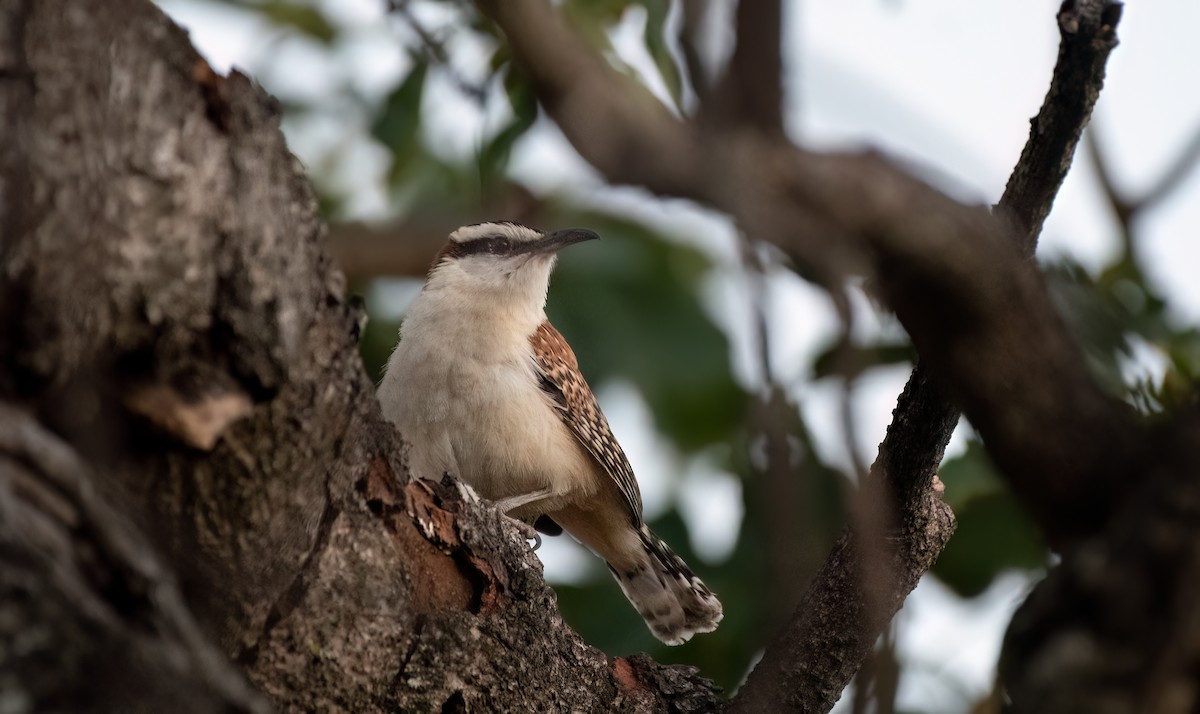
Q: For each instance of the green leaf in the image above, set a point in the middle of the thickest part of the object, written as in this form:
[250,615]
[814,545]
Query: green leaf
[398,125]
[493,156]
[629,305]
[994,534]
[656,46]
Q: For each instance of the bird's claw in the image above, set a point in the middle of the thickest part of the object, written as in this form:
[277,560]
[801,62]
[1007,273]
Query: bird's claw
[527,531]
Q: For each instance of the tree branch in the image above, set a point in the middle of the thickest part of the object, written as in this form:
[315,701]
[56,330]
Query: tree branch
[954,277]
[1087,31]
[407,247]
[1174,175]
[1126,209]
[1114,627]
[839,214]
[191,262]
[837,622]
[751,92]
[365,251]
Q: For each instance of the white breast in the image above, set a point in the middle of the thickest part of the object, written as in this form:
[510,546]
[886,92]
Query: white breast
[464,394]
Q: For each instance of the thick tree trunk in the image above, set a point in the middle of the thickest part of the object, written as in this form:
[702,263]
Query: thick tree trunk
[199,498]
[181,386]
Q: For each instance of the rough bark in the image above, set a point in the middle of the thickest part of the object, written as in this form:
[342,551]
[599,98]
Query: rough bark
[181,386]
[1088,34]
[170,316]
[924,420]
[90,620]
[1113,628]
[952,272]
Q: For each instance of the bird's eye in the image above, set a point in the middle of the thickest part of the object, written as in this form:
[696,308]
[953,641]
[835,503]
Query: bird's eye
[498,245]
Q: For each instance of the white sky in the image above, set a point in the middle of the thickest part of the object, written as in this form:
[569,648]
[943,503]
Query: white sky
[944,84]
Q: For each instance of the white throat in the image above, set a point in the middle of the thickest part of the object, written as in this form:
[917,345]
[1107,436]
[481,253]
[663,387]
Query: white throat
[482,319]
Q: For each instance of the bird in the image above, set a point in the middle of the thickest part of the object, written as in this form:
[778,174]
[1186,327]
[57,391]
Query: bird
[483,387]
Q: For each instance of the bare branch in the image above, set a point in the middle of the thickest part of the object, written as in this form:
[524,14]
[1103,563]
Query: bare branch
[695,15]
[751,92]
[435,51]
[1175,174]
[1126,208]
[1123,210]
[836,624]
[955,278]
[1087,29]
[809,675]
[406,248]
[366,251]
[844,213]
[1122,206]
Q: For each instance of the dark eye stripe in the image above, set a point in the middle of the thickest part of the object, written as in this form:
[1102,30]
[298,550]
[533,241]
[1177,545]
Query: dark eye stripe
[495,245]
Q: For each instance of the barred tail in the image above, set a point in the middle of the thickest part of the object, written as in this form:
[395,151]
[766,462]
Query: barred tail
[665,592]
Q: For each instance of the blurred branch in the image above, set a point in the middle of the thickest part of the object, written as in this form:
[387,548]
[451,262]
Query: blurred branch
[691,29]
[1173,177]
[878,678]
[1127,209]
[996,343]
[435,51]
[1121,205]
[781,496]
[783,487]
[406,248]
[751,92]
[365,251]
[1116,628]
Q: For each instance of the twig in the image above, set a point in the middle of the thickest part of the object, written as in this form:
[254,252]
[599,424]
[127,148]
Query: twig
[780,488]
[1173,177]
[1127,209]
[1088,34]
[1122,208]
[435,51]
[834,215]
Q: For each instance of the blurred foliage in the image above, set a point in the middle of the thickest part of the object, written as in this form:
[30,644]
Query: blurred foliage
[631,306]
[993,533]
[1121,320]
[631,310]
[300,17]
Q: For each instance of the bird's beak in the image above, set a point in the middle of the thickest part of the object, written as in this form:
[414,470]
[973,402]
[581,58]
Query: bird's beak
[557,240]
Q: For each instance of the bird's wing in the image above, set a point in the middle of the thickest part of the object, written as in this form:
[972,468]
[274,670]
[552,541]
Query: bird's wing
[559,376]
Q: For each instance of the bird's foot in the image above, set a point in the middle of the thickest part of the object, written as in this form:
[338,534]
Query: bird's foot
[526,530]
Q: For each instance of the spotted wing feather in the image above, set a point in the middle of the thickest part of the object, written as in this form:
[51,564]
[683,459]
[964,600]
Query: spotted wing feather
[558,371]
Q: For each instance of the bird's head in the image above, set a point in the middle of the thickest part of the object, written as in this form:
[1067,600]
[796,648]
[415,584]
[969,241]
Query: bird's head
[501,260]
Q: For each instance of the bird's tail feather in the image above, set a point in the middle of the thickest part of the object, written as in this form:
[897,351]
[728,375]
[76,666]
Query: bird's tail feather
[674,602]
